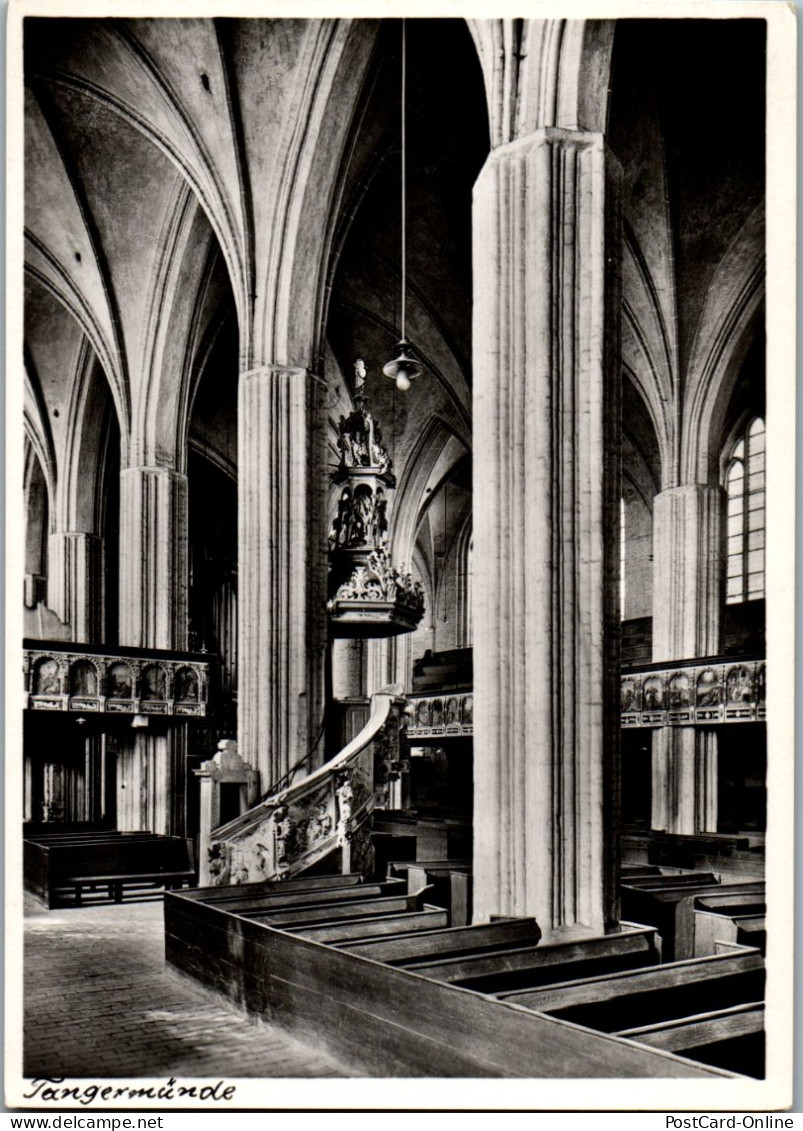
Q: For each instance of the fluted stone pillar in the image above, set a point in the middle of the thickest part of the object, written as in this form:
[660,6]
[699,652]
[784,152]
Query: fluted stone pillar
[151,780]
[686,579]
[349,664]
[546,500]
[707,767]
[687,532]
[75,582]
[153,558]
[282,568]
[151,769]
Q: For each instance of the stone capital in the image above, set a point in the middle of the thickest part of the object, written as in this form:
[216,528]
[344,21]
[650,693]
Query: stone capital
[551,138]
[267,372]
[75,589]
[152,472]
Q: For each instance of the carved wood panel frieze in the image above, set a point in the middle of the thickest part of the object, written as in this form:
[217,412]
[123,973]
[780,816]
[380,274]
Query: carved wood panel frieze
[442,716]
[703,694]
[112,684]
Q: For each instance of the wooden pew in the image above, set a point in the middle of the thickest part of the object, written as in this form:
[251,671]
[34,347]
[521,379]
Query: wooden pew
[61,869]
[279,898]
[451,887]
[507,934]
[460,894]
[733,855]
[675,879]
[670,908]
[400,868]
[380,926]
[692,1033]
[44,860]
[228,893]
[35,829]
[88,838]
[165,862]
[370,1014]
[637,871]
[727,918]
[652,995]
[492,972]
[436,837]
[319,914]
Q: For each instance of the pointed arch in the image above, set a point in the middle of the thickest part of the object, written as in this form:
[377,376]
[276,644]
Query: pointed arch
[438,450]
[172,130]
[37,430]
[86,438]
[541,73]
[728,324]
[181,282]
[291,325]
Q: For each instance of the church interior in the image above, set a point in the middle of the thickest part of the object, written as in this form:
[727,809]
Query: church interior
[394,478]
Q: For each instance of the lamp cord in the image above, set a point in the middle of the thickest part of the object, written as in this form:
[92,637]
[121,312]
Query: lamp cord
[403,174]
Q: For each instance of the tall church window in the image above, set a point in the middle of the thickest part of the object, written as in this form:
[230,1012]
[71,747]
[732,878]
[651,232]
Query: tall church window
[745,486]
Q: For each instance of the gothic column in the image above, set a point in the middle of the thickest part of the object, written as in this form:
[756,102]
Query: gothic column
[686,582]
[546,501]
[151,770]
[153,558]
[282,630]
[75,582]
[686,625]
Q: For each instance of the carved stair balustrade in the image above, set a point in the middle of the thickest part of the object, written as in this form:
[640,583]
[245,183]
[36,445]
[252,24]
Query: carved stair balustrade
[330,809]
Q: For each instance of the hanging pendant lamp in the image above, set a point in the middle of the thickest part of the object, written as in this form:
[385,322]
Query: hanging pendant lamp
[403,368]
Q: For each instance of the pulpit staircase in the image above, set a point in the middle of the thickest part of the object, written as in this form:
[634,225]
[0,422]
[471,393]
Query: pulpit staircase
[303,825]
[394,984]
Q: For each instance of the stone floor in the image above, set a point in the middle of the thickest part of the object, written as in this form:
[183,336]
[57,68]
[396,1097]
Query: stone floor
[99,1002]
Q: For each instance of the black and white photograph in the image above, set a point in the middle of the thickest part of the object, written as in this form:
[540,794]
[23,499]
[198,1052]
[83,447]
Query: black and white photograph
[400,582]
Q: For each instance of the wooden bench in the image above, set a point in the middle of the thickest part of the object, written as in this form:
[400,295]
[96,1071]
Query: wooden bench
[63,869]
[400,868]
[135,863]
[636,871]
[651,882]
[320,914]
[228,893]
[87,838]
[495,971]
[436,837]
[484,937]
[728,1038]
[670,908]
[43,856]
[731,854]
[36,829]
[360,930]
[370,1014]
[737,918]
[611,1003]
[451,887]
[272,900]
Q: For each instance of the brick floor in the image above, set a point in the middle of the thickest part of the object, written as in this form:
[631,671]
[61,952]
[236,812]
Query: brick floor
[99,1002]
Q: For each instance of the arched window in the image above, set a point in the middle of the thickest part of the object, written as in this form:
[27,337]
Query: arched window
[465,554]
[745,486]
